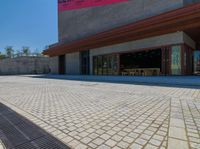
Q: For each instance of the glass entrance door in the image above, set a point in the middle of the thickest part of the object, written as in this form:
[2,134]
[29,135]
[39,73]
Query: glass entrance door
[62,64]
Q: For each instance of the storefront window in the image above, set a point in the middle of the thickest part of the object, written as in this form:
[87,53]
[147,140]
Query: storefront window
[115,64]
[176,60]
[105,65]
[110,70]
[95,64]
[99,65]
[196,62]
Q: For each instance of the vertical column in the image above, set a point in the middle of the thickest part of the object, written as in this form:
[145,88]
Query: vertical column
[183,59]
[166,60]
[118,59]
[163,61]
[169,60]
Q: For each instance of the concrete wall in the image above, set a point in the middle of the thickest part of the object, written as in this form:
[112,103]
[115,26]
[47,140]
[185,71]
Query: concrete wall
[53,64]
[79,23]
[168,39]
[24,65]
[72,63]
[189,41]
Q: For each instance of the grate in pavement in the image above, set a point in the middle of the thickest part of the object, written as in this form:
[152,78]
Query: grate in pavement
[27,145]
[14,118]
[2,120]
[16,132]
[12,134]
[30,130]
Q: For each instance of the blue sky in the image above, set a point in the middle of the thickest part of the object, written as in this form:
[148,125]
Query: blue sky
[31,23]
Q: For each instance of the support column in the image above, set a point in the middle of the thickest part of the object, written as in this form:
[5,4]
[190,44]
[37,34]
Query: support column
[183,60]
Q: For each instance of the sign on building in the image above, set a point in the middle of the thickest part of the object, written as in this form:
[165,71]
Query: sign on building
[78,4]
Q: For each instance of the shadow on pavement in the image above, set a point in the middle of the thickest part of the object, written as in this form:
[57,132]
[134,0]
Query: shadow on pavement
[17,132]
[192,82]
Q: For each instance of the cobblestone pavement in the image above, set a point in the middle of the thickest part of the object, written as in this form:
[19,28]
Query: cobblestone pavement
[107,115]
[1,145]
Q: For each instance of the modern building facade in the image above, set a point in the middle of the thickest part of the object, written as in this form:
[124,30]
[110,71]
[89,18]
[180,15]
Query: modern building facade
[134,37]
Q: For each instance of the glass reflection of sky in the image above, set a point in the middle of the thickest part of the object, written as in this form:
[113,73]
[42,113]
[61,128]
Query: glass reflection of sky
[197,56]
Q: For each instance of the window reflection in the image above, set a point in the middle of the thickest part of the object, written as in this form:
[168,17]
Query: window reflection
[176,60]
[196,62]
[105,65]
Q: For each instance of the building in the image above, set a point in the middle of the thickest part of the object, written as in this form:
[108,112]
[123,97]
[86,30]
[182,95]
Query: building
[128,37]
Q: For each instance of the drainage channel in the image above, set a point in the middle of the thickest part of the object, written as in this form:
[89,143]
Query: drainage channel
[16,132]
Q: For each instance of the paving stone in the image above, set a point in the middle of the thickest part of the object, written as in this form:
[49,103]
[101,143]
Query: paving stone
[177,144]
[177,123]
[92,145]
[116,147]
[83,134]
[176,132]
[155,142]
[67,139]
[98,141]
[157,137]
[81,146]
[103,147]
[128,139]
[141,141]
[81,112]
[111,143]
[150,146]
[117,138]
[123,144]
[86,140]
[136,146]
[105,136]
[74,143]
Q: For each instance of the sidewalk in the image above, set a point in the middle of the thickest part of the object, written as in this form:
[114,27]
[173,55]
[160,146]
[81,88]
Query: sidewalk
[183,81]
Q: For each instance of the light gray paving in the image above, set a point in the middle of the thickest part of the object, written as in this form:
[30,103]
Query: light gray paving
[107,115]
[1,145]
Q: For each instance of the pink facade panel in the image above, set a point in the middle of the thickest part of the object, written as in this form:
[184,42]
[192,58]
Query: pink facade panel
[64,5]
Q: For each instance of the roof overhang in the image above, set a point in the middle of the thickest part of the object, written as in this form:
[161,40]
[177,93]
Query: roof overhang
[181,19]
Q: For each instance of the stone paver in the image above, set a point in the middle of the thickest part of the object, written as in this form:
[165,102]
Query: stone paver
[1,145]
[107,115]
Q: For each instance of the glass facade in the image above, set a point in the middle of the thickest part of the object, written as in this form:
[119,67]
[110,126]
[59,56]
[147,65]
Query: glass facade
[105,65]
[176,60]
[170,60]
[196,62]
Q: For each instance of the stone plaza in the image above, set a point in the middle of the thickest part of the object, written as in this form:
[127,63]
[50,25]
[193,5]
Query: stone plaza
[104,115]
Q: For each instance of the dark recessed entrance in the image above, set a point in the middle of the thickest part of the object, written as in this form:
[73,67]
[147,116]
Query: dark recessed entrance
[141,63]
[62,64]
[85,63]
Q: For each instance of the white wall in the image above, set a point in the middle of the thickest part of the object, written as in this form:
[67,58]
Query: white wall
[53,63]
[72,63]
[24,65]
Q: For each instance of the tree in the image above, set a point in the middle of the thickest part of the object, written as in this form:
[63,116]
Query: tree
[9,51]
[2,56]
[37,53]
[18,53]
[26,51]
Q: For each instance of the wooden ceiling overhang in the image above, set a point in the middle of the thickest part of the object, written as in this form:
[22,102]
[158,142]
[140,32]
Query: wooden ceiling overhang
[177,20]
